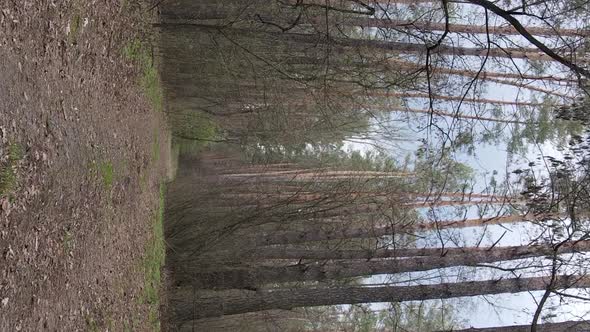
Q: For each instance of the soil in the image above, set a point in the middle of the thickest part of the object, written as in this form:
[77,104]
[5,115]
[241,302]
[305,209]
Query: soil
[74,226]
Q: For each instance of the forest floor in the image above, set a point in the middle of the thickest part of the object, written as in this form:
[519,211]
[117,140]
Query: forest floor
[84,152]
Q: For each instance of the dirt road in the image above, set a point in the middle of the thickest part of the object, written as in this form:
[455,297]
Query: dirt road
[81,163]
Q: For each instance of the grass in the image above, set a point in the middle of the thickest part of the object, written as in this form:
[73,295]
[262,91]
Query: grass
[67,242]
[140,54]
[8,169]
[137,52]
[152,264]
[75,23]
[91,325]
[107,173]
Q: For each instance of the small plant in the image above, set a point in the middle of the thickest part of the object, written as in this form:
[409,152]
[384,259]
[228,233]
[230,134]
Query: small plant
[7,169]
[75,23]
[67,242]
[91,324]
[107,173]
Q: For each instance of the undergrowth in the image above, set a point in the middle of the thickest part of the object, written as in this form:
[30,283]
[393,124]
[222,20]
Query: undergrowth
[139,53]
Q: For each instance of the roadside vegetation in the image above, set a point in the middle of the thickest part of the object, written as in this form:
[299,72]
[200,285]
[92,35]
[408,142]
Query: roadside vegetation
[140,53]
[153,262]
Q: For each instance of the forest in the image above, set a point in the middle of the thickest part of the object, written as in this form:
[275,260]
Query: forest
[368,165]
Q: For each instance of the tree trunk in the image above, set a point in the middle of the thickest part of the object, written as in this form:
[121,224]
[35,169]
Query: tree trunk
[397,64]
[462,28]
[449,98]
[570,326]
[287,299]
[411,48]
[483,75]
[451,115]
[315,234]
[368,254]
[373,44]
[249,278]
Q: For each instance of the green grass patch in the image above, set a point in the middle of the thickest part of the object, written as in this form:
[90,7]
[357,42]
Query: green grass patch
[67,242]
[152,264]
[75,23]
[106,171]
[8,169]
[137,52]
[91,324]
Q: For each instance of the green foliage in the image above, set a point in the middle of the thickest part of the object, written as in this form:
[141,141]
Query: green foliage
[466,140]
[193,125]
[192,130]
[396,317]
[541,126]
[8,179]
[440,171]
[329,155]
[418,317]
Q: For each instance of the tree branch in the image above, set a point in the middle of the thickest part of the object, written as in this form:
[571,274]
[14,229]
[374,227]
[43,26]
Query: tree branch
[523,32]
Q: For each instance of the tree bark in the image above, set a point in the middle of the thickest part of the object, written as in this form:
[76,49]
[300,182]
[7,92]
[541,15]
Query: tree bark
[451,115]
[570,326]
[249,278]
[389,46]
[368,254]
[316,234]
[287,299]
[547,51]
[483,74]
[462,28]
[449,98]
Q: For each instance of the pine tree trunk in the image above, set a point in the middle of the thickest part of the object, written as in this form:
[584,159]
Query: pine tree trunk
[450,98]
[396,64]
[249,278]
[315,234]
[461,28]
[389,46]
[287,299]
[452,115]
[571,326]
